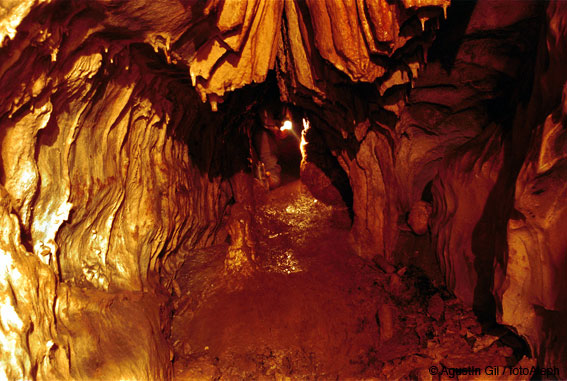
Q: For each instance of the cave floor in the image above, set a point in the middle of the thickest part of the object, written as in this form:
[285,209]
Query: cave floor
[312,309]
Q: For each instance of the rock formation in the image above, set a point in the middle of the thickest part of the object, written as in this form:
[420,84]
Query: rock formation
[125,136]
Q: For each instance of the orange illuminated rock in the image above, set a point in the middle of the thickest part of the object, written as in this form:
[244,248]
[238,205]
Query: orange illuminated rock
[228,63]
[113,172]
[103,193]
[319,184]
[373,229]
[344,33]
[533,284]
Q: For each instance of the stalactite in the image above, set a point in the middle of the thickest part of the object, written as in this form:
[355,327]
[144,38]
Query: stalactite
[124,130]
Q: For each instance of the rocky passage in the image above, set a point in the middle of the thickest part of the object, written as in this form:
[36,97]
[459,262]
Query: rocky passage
[313,309]
[126,193]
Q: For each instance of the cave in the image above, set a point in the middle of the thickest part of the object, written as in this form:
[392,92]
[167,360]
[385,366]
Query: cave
[283,189]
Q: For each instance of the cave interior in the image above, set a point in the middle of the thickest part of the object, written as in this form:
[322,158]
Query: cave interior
[414,231]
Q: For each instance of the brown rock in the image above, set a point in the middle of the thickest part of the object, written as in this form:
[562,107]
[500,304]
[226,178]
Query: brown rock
[436,307]
[418,218]
[385,318]
[319,184]
[383,264]
[109,165]
[373,186]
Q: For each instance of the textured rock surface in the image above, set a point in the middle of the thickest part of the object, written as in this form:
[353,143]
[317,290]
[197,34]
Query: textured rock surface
[321,172]
[11,14]
[369,41]
[532,281]
[46,323]
[464,86]
[418,218]
[462,185]
[28,290]
[103,190]
[370,174]
[533,295]
[113,171]
[496,220]
[105,153]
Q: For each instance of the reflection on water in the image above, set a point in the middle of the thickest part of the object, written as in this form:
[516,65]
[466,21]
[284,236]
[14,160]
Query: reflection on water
[284,263]
[288,222]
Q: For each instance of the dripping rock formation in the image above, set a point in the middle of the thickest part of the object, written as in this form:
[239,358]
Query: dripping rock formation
[422,209]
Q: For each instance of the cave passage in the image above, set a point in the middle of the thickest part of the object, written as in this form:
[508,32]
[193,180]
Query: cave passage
[311,308]
[283,189]
[275,139]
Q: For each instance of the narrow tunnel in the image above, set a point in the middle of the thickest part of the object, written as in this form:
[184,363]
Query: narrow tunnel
[283,189]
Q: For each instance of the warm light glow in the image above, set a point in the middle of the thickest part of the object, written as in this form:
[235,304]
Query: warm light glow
[10,318]
[306,124]
[286,126]
[303,142]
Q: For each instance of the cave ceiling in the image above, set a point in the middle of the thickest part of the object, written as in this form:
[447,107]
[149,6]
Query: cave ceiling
[220,45]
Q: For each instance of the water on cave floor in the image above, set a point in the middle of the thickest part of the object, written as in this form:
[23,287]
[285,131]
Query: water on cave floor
[312,309]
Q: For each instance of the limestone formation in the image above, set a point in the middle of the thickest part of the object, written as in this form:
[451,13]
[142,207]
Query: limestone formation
[533,283]
[126,141]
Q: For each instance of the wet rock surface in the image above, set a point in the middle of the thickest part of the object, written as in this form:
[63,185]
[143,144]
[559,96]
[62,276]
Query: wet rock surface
[313,309]
[115,170]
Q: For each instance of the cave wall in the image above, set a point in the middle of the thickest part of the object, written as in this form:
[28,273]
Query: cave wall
[99,192]
[529,283]
[496,212]
[466,142]
[455,130]
[110,168]
[329,52]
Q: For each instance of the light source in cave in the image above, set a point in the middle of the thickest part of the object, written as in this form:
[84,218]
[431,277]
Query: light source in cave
[286,126]
[303,142]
